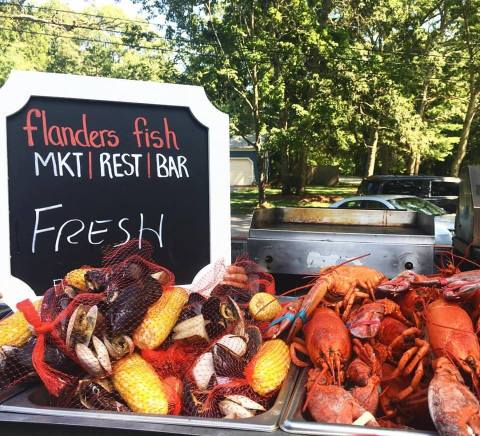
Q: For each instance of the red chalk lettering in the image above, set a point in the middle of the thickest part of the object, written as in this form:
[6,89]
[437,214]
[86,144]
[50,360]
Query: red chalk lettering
[113,140]
[83,131]
[136,131]
[92,136]
[169,133]
[66,140]
[28,125]
[45,129]
[155,135]
[55,130]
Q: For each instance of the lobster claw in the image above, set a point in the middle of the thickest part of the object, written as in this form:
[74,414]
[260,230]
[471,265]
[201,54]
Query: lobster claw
[288,317]
[398,284]
[460,289]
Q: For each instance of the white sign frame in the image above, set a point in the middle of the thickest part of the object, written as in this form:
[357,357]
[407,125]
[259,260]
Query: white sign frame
[22,85]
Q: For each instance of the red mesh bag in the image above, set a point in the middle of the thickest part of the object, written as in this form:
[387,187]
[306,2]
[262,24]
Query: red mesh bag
[94,311]
[84,327]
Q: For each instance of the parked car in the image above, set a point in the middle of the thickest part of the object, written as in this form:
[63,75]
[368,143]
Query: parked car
[442,191]
[444,223]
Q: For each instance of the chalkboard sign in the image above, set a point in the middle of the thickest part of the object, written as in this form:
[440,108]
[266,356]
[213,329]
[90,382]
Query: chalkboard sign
[94,162]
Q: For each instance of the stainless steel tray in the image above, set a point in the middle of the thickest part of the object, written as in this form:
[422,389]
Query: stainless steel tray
[34,400]
[293,421]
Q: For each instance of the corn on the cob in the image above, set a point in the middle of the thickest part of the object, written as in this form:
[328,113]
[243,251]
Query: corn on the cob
[139,385]
[160,319]
[264,307]
[76,278]
[269,367]
[15,330]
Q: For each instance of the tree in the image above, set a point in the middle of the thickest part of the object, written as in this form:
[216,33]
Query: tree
[99,41]
[468,35]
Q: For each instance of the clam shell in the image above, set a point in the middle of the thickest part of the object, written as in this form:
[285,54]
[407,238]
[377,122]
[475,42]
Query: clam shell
[235,344]
[226,362]
[246,402]
[234,410]
[102,354]
[81,325]
[119,346]
[88,360]
[203,370]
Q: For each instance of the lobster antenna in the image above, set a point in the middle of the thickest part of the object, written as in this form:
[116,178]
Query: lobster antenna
[309,285]
[329,269]
[462,258]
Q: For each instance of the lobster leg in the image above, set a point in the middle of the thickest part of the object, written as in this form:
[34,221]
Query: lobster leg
[414,383]
[424,348]
[298,345]
[413,331]
[353,295]
[403,363]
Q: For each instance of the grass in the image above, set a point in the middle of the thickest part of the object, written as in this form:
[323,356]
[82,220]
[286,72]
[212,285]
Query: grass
[244,200]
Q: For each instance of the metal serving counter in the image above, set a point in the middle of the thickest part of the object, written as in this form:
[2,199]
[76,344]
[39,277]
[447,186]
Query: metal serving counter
[33,401]
[303,240]
[294,421]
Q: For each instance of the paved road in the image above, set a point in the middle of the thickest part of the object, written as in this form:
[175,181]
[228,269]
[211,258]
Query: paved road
[240,225]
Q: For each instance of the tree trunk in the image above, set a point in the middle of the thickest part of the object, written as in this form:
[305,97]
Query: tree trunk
[467,124]
[418,160]
[284,171]
[261,179]
[372,153]
[412,163]
[301,176]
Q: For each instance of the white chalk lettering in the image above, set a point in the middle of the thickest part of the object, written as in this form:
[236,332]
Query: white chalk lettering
[96,232]
[157,234]
[171,166]
[74,231]
[114,165]
[71,235]
[62,163]
[44,162]
[105,163]
[120,226]
[36,230]
[182,160]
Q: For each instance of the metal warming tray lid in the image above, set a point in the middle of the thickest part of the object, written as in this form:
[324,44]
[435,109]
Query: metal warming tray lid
[467,222]
[342,224]
[302,240]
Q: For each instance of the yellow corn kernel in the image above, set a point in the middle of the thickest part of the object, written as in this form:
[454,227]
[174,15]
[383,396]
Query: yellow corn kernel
[76,278]
[160,319]
[264,307]
[269,367]
[139,385]
[15,330]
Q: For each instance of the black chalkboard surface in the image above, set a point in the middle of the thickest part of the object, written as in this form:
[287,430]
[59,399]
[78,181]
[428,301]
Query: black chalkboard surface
[85,174]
